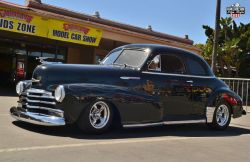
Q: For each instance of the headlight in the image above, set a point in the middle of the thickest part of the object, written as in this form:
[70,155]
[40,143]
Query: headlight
[59,93]
[19,87]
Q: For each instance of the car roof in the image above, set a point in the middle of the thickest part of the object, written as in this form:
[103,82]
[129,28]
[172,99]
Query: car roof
[152,46]
[163,49]
[158,48]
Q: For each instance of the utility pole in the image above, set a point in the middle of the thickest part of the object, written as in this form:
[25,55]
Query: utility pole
[215,43]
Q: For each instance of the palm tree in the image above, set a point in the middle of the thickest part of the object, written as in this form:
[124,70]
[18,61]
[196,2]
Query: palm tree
[233,45]
[216,35]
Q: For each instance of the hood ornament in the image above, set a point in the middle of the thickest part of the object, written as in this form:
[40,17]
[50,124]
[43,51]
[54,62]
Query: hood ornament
[42,60]
[35,80]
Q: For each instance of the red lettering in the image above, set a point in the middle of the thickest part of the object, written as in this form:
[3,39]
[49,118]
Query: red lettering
[17,15]
[76,28]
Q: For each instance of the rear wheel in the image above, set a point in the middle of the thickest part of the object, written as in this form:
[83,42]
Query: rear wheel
[222,116]
[97,118]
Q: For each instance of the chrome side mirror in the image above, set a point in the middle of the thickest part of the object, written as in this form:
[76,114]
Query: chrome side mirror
[155,64]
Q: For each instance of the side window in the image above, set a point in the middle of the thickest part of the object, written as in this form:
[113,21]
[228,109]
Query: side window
[155,64]
[172,64]
[195,67]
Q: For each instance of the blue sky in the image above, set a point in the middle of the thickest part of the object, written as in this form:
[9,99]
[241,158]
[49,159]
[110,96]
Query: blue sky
[175,17]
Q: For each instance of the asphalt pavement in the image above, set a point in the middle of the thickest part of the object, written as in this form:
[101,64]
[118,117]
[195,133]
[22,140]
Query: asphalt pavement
[21,142]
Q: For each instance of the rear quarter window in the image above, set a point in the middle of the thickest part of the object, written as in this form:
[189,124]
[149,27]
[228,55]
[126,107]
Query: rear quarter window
[196,67]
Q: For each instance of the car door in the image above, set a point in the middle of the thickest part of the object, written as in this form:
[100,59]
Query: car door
[202,84]
[171,84]
[135,106]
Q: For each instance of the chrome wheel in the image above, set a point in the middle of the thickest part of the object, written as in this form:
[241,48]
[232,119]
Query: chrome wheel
[99,115]
[222,115]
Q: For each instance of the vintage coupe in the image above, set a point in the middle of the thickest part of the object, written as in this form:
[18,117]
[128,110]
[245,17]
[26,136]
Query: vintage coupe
[135,85]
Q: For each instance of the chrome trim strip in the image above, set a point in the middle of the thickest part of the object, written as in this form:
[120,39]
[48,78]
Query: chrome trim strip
[164,123]
[40,91]
[189,81]
[36,118]
[44,108]
[130,78]
[142,125]
[185,122]
[39,101]
[183,75]
[210,114]
[49,97]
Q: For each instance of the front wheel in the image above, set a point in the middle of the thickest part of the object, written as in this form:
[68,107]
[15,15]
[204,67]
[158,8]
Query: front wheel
[96,118]
[222,116]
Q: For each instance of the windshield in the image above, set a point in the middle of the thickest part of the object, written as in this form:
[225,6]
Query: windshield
[127,57]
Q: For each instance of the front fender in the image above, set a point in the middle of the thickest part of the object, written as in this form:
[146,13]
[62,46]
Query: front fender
[79,96]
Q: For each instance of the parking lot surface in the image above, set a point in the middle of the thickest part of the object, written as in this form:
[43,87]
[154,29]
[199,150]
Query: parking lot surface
[21,142]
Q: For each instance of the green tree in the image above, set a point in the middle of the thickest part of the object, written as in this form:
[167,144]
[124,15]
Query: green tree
[234,46]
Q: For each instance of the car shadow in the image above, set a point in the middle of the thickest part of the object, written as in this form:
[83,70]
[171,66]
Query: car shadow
[185,130]
[7,91]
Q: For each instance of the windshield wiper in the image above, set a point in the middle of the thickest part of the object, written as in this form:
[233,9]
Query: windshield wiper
[124,65]
[117,64]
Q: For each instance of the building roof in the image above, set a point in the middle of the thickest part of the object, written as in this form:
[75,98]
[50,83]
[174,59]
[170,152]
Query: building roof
[103,21]
[62,11]
[13,4]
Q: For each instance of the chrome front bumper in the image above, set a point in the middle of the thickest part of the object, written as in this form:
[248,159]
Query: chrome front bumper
[37,106]
[36,118]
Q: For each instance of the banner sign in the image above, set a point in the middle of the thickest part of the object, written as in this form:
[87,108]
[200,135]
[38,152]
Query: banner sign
[22,23]
[18,22]
[74,33]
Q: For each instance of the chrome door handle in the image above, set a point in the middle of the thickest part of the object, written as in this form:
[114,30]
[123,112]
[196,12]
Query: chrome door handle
[130,78]
[189,81]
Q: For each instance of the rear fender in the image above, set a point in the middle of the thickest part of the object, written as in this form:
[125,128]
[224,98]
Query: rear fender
[226,95]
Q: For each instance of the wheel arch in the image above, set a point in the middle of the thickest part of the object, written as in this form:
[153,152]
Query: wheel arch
[225,95]
[117,122]
[85,94]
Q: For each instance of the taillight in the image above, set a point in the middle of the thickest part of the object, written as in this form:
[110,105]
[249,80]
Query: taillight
[230,99]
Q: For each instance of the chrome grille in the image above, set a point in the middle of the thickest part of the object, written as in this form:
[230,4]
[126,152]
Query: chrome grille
[41,101]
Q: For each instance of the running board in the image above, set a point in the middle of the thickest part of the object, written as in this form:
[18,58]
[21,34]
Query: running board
[164,123]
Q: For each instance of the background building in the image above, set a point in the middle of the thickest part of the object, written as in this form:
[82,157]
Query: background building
[41,30]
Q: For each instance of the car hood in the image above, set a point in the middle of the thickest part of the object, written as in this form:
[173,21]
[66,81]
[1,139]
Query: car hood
[48,76]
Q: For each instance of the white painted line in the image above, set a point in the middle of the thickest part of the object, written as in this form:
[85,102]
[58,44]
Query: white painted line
[112,142]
